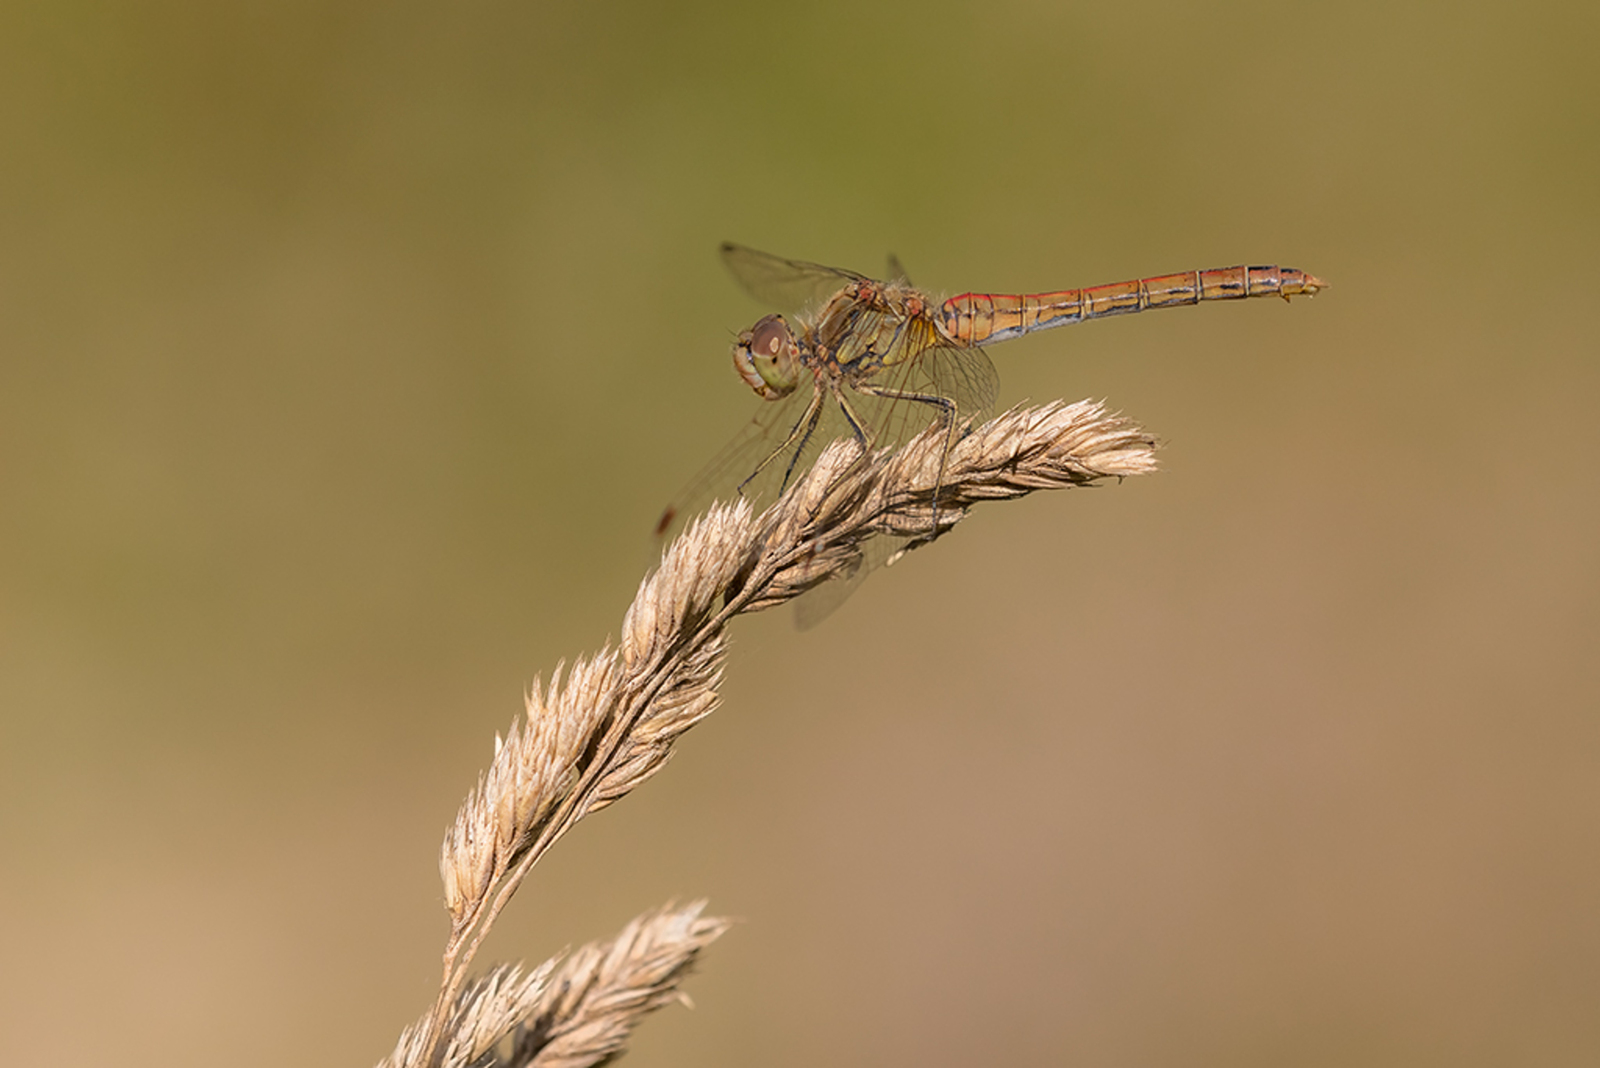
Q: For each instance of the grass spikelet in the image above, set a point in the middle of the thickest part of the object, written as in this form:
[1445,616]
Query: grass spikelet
[596,997]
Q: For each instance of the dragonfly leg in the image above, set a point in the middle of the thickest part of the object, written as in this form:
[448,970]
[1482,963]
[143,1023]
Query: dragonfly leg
[814,415]
[862,431]
[858,426]
[948,409]
[801,432]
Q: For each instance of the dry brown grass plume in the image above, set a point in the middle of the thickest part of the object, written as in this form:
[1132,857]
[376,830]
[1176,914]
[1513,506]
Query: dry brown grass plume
[609,723]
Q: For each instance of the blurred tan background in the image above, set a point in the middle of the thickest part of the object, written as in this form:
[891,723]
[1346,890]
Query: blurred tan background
[348,352]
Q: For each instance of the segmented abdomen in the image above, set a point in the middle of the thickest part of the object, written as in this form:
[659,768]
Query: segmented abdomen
[978,318]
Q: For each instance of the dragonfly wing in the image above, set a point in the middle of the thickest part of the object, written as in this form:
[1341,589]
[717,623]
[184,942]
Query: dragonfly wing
[965,375]
[774,448]
[920,371]
[770,442]
[820,603]
[724,477]
[922,378]
[787,285]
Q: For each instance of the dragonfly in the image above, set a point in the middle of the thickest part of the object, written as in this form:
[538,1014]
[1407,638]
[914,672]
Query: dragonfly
[879,361]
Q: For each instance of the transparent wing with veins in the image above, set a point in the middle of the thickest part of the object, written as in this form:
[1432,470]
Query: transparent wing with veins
[788,286]
[914,377]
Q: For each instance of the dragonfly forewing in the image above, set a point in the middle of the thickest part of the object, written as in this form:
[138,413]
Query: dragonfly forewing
[785,285]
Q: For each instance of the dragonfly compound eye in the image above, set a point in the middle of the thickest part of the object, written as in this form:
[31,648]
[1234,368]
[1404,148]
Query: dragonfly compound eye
[766,358]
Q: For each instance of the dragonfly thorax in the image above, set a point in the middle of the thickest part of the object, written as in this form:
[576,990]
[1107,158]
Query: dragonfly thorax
[767,358]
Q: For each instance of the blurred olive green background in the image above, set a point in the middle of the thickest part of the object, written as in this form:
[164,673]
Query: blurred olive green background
[349,350]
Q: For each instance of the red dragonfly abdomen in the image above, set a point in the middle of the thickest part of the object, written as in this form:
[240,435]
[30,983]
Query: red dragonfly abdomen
[979,318]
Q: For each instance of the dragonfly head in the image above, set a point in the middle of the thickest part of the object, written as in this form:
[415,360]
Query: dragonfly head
[767,358]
